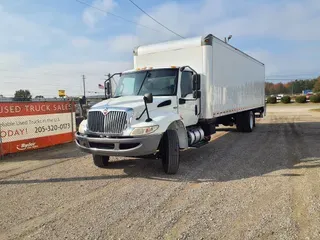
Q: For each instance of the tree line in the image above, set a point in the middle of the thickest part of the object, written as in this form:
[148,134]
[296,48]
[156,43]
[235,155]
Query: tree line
[24,95]
[293,87]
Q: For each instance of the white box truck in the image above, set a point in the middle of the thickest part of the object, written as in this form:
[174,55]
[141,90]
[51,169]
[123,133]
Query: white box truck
[173,99]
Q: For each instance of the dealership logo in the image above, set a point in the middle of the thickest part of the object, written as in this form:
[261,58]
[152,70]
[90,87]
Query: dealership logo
[26,146]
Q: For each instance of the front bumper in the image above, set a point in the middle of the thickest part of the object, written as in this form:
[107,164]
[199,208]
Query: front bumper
[130,147]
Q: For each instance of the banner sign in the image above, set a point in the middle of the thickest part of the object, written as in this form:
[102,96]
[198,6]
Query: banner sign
[33,125]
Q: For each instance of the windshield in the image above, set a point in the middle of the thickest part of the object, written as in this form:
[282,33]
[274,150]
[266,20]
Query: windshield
[159,82]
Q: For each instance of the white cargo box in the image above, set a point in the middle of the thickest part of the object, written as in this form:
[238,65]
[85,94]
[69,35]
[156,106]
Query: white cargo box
[231,81]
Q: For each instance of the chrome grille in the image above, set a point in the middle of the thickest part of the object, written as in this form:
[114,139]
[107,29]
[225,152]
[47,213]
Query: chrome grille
[115,122]
[96,121]
[112,123]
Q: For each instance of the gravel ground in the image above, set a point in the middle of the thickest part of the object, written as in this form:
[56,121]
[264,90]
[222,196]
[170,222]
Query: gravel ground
[261,185]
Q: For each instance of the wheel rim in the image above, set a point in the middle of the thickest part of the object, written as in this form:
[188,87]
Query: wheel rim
[251,120]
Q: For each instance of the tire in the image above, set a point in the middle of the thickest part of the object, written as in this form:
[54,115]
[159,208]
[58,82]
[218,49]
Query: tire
[245,121]
[239,123]
[170,152]
[101,161]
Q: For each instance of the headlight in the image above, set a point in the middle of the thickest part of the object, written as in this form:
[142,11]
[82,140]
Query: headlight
[83,127]
[144,130]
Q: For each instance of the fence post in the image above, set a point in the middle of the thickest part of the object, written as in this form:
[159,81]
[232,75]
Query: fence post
[1,148]
[72,123]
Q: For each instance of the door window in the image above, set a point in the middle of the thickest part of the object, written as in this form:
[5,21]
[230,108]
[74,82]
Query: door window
[186,83]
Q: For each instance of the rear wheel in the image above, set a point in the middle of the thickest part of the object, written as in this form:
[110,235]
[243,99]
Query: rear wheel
[170,152]
[245,121]
[101,161]
[239,123]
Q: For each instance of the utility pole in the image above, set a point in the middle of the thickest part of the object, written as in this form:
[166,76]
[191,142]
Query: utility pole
[84,84]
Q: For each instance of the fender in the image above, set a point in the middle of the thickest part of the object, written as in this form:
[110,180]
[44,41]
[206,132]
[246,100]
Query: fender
[179,127]
[172,121]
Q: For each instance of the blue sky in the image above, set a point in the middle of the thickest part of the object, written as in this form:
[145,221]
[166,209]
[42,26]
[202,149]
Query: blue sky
[47,45]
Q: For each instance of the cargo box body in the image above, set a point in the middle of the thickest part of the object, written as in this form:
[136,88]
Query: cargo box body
[231,81]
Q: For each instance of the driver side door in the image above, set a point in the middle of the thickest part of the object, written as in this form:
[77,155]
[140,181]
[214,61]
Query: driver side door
[187,105]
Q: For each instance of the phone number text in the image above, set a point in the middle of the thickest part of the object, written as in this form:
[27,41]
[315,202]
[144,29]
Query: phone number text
[52,128]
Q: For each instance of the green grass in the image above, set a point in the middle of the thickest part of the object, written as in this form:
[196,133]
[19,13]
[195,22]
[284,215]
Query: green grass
[285,104]
[291,104]
[315,110]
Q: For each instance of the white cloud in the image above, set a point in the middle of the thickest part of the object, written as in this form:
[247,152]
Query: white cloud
[48,79]
[294,63]
[81,42]
[91,15]
[9,61]
[288,21]
[123,43]
[16,29]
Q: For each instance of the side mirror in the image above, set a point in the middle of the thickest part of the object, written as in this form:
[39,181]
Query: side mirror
[196,82]
[108,88]
[148,98]
[197,94]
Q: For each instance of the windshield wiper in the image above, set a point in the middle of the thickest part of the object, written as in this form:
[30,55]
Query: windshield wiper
[148,74]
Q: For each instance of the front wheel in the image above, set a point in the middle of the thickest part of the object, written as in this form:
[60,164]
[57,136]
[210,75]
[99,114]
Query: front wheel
[170,152]
[100,161]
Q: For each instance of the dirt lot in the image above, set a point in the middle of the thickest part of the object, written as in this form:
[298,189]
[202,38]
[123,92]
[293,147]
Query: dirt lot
[262,185]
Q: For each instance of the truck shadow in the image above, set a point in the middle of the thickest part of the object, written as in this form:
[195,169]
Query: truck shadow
[233,156]
[269,148]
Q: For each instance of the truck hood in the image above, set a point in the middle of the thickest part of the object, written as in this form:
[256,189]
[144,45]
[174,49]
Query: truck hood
[134,102]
